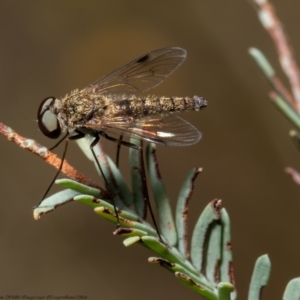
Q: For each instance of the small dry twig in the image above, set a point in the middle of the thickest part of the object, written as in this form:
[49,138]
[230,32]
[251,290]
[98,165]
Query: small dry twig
[288,63]
[294,174]
[46,155]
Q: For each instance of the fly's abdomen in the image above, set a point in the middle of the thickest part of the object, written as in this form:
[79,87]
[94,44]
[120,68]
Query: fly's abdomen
[152,105]
[155,105]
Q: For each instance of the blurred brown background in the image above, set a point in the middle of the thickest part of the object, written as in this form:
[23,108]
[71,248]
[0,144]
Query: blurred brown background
[51,47]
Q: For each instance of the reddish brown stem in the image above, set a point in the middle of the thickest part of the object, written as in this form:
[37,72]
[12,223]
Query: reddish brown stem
[270,21]
[46,155]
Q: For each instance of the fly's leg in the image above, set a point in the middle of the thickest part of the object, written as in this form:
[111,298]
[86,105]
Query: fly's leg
[58,143]
[92,145]
[119,141]
[130,145]
[118,150]
[79,135]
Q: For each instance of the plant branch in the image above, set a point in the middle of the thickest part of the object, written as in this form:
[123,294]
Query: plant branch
[286,109]
[48,156]
[270,21]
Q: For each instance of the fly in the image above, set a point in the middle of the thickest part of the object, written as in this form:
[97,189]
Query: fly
[112,105]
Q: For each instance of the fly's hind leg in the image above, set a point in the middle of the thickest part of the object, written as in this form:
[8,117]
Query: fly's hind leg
[118,150]
[92,145]
[119,141]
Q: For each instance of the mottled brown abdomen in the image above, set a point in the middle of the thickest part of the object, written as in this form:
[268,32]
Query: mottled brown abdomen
[153,105]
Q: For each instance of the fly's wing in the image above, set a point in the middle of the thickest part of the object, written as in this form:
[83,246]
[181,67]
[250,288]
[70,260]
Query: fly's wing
[141,74]
[168,130]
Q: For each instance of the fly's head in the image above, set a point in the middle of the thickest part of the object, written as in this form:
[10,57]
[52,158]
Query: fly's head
[47,117]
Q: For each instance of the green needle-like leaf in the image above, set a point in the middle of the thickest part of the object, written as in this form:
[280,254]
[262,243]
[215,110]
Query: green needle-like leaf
[94,202]
[201,233]
[84,144]
[292,291]
[174,267]
[131,240]
[262,63]
[185,194]
[108,214]
[213,255]
[260,277]
[124,192]
[130,232]
[286,109]
[202,290]
[49,204]
[79,187]
[167,252]
[226,267]
[224,291]
[161,199]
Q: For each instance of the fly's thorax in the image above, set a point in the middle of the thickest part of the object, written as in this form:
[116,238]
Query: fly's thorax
[78,107]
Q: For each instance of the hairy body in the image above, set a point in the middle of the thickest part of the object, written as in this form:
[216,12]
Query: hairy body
[84,109]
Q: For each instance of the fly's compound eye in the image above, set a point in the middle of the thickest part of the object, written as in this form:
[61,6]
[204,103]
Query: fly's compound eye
[47,120]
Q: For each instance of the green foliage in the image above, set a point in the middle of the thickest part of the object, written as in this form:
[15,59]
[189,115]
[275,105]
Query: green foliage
[206,266]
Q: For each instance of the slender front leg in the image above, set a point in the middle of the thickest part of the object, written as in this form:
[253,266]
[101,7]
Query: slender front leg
[53,147]
[79,135]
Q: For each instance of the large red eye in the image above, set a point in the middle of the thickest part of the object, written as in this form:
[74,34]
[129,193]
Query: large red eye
[47,120]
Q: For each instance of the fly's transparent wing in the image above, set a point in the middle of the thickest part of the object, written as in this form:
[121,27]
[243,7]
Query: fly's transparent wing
[168,130]
[141,74]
